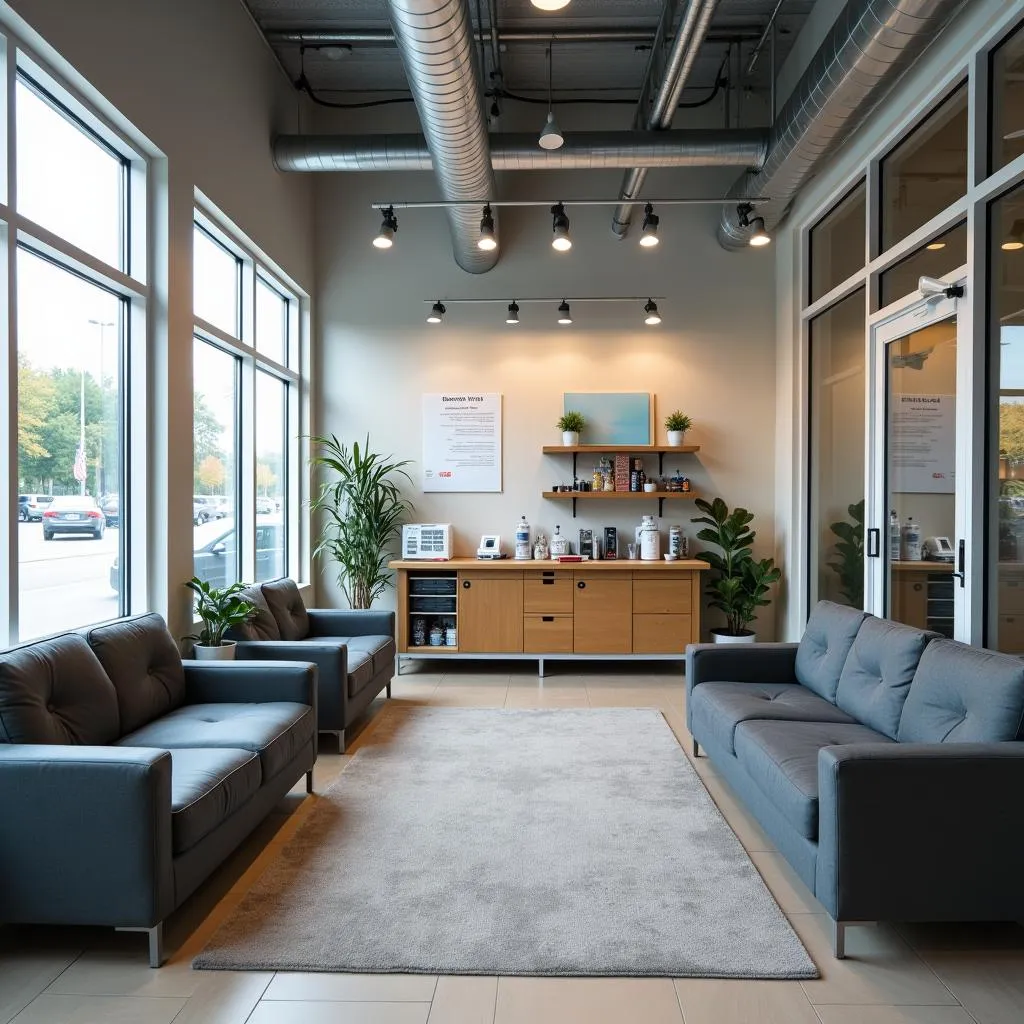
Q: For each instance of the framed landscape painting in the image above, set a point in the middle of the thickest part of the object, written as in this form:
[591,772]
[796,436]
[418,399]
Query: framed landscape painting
[613,417]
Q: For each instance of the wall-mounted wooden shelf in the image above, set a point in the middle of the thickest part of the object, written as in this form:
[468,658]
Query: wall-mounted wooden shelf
[619,496]
[576,450]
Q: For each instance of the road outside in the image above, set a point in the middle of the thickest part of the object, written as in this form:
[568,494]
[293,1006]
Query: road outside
[65,582]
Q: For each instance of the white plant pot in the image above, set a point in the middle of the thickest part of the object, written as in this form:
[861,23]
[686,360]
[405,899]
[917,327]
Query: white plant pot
[675,437]
[226,652]
[719,636]
[570,438]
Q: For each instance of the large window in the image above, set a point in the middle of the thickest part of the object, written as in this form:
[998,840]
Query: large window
[944,253]
[838,243]
[1007,78]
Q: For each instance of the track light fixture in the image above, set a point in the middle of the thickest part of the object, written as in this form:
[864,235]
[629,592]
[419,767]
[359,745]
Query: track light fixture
[649,237]
[550,5]
[437,312]
[487,241]
[564,316]
[389,225]
[550,135]
[513,313]
[560,226]
[651,315]
[759,236]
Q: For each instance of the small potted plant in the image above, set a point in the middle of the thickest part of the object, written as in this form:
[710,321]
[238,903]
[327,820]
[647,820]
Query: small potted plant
[677,425]
[570,424]
[220,608]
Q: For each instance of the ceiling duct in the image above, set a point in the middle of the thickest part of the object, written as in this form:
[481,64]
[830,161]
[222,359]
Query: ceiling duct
[871,44]
[435,40]
[682,56]
[520,152]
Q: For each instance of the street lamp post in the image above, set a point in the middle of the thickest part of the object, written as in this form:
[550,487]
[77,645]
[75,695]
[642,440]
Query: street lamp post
[102,325]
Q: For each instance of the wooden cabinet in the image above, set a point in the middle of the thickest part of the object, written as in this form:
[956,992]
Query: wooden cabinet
[909,600]
[548,634]
[548,592]
[490,613]
[603,613]
[662,607]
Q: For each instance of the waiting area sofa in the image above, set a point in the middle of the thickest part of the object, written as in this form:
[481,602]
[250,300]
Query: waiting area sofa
[885,762]
[128,775]
[353,650]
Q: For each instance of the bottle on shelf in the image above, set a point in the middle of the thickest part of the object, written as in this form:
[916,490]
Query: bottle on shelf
[523,551]
[911,538]
[650,540]
[559,545]
[894,536]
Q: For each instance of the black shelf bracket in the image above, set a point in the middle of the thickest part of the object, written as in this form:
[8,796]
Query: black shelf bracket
[574,480]
[661,507]
[661,466]
[574,500]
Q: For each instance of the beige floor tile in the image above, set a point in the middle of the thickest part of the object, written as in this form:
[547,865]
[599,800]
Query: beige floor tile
[746,828]
[124,973]
[224,997]
[989,984]
[789,891]
[462,1000]
[880,968]
[449,695]
[357,988]
[477,677]
[60,1009]
[549,697]
[271,1012]
[586,1001]
[892,1015]
[743,1002]
[24,975]
[963,935]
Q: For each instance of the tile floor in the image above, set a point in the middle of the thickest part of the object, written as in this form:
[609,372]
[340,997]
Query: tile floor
[894,974]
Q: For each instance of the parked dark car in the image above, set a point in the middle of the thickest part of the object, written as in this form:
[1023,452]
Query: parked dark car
[32,506]
[73,514]
[110,506]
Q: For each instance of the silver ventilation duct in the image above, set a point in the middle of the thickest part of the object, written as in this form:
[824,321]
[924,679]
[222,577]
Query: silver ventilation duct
[865,52]
[684,51]
[520,152]
[435,39]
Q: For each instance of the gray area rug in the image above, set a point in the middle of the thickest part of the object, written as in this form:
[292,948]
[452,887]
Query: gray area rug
[464,841]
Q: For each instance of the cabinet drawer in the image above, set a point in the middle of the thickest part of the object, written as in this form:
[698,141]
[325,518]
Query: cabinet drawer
[1011,634]
[662,596]
[1011,594]
[662,634]
[547,634]
[548,592]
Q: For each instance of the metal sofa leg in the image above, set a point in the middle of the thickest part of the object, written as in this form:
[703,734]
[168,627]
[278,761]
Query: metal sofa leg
[696,749]
[839,940]
[309,781]
[340,733]
[388,690]
[156,942]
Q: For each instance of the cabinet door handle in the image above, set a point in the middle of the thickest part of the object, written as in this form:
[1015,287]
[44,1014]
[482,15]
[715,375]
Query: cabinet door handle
[961,557]
[550,573]
[548,583]
[582,585]
[547,618]
[919,586]
[465,584]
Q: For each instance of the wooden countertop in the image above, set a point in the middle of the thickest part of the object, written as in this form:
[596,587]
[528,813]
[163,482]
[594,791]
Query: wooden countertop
[507,564]
[922,566]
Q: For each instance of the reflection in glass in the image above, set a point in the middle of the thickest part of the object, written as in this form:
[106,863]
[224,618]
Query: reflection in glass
[271,476]
[271,322]
[837,243]
[70,431]
[215,288]
[837,345]
[941,255]
[926,172]
[1007,101]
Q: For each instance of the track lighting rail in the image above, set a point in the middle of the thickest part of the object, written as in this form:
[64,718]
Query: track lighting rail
[441,204]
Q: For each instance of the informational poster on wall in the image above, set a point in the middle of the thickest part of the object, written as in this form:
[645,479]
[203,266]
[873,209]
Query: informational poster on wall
[922,444]
[462,442]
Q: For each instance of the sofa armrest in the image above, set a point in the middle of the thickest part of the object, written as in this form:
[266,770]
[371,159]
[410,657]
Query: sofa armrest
[924,831]
[86,837]
[740,663]
[243,682]
[350,622]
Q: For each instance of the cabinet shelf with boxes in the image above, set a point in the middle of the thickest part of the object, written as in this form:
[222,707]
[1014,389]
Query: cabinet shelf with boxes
[432,611]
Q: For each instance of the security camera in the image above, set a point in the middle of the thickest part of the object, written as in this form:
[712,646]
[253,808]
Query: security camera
[934,286]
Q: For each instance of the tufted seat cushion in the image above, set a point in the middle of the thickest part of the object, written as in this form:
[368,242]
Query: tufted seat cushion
[824,646]
[285,602]
[878,671]
[142,660]
[263,625]
[55,691]
[277,732]
[719,707]
[965,695]
[782,759]
[207,787]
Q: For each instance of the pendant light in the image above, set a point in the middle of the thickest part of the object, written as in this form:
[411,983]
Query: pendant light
[649,238]
[564,316]
[513,313]
[560,226]
[389,225]
[437,312]
[651,315]
[550,134]
[487,241]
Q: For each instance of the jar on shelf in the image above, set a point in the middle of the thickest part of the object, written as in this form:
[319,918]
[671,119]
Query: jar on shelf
[451,636]
[436,635]
[419,632]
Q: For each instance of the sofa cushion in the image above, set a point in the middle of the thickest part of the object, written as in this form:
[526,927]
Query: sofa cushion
[207,787]
[782,759]
[142,661]
[262,626]
[719,707]
[879,668]
[360,670]
[276,731]
[55,691]
[380,648]
[824,646]
[963,694]
[285,602]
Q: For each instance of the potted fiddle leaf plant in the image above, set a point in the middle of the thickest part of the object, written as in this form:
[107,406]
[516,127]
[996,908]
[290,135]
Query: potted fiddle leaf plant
[849,566]
[738,582]
[677,425]
[219,608]
[570,423]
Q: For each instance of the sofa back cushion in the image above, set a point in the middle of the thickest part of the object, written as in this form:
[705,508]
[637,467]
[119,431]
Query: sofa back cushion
[824,646]
[143,662]
[262,626]
[879,669]
[286,603]
[963,694]
[55,691]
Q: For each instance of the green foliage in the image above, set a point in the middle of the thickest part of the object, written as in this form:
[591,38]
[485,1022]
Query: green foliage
[677,421]
[850,549]
[739,583]
[220,608]
[364,508]
[572,422]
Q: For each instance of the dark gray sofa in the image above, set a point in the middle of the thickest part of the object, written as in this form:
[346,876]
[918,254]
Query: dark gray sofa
[354,650]
[884,762]
[127,775]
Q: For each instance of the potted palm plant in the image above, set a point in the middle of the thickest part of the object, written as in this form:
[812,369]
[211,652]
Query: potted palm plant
[677,425]
[364,508]
[570,423]
[220,608]
[739,582]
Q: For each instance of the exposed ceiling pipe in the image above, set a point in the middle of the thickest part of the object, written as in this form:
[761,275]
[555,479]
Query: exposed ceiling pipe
[871,44]
[680,63]
[520,152]
[435,40]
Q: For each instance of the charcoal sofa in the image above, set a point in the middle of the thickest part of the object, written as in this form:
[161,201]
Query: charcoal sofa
[354,650]
[884,762]
[127,775]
